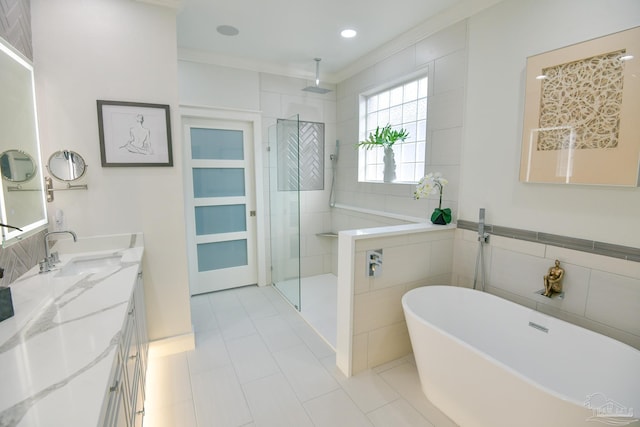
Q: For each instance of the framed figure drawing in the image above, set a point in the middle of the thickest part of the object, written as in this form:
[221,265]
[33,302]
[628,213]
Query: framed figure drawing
[582,113]
[134,134]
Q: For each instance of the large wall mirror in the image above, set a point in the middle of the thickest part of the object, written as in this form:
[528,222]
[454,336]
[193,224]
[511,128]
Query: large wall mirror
[23,197]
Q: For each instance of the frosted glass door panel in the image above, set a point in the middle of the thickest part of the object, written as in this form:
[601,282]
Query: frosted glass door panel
[218,182]
[218,255]
[222,224]
[228,144]
[220,219]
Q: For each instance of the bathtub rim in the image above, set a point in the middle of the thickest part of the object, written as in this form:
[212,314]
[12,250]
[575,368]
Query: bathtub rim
[465,344]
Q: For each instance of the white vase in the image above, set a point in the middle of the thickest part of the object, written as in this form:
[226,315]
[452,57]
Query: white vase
[389,170]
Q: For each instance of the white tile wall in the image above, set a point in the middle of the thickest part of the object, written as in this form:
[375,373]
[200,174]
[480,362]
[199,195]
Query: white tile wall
[396,66]
[444,56]
[601,293]
[615,301]
[449,71]
[445,146]
[410,258]
[445,109]
[282,97]
[442,43]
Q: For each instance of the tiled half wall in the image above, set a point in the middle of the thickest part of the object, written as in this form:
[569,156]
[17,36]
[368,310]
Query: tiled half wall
[371,325]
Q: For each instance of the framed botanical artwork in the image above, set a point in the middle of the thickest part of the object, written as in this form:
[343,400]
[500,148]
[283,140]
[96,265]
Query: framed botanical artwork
[582,113]
[134,134]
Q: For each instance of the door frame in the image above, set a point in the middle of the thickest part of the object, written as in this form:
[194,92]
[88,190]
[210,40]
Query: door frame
[254,118]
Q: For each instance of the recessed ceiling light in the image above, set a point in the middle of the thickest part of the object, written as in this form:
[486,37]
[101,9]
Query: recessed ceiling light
[348,33]
[227,30]
[626,58]
[541,77]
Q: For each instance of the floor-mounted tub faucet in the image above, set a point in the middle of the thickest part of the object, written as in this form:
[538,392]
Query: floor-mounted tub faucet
[51,259]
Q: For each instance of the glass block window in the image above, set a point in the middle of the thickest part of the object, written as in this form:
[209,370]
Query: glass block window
[402,106]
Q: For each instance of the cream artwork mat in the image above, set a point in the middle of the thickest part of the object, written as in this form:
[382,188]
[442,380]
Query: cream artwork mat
[582,113]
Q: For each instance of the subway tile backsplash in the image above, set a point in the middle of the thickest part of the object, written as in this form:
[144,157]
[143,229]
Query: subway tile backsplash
[18,258]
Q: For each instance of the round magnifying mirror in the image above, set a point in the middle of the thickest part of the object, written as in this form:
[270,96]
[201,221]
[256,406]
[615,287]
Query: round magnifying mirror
[66,165]
[17,166]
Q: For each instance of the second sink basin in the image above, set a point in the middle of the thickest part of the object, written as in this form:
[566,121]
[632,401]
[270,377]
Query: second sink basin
[84,265]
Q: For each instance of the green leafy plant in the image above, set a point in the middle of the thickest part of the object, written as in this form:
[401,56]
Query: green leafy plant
[384,137]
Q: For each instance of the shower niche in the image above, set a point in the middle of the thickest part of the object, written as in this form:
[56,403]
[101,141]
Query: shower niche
[300,157]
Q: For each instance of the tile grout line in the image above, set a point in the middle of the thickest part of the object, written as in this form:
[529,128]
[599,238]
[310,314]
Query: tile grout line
[341,385]
[235,372]
[280,372]
[401,395]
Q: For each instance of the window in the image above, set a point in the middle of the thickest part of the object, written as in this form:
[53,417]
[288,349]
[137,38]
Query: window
[402,106]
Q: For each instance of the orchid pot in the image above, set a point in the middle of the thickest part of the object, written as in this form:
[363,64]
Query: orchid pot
[433,183]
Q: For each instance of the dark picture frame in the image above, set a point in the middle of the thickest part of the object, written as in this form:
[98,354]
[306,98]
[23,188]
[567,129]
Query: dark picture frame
[134,134]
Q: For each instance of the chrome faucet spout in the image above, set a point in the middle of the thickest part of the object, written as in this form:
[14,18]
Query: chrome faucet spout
[47,250]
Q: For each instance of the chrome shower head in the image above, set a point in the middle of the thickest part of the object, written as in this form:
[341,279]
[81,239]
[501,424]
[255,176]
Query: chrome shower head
[317,88]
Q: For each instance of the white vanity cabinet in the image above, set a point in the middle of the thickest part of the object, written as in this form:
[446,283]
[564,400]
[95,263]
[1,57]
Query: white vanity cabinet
[88,315]
[124,403]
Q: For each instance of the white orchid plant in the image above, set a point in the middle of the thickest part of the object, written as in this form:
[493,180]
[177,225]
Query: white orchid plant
[433,183]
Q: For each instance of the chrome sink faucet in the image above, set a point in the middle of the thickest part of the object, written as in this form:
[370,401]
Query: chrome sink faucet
[49,258]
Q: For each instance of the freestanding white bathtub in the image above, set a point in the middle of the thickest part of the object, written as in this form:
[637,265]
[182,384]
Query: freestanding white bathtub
[485,361]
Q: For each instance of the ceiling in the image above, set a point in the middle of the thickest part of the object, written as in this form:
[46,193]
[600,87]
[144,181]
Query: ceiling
[284,36]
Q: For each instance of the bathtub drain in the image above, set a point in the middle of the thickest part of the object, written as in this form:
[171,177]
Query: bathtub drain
[539,327]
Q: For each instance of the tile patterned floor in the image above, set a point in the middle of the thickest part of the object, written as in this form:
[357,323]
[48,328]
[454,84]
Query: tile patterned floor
[258,363]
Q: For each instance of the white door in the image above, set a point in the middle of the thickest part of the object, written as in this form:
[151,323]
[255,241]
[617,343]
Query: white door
[221,224]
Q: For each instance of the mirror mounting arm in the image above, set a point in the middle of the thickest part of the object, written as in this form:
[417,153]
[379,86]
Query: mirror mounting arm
[49,188]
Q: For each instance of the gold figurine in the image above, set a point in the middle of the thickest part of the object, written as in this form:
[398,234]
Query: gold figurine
[553,280]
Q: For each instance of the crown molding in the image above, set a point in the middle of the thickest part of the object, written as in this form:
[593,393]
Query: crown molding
[173,4]
[248,64]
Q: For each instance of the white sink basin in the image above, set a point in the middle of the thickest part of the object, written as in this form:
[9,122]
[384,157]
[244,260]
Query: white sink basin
[85,265]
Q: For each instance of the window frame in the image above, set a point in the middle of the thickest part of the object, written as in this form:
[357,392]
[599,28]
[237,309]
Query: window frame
[425,72]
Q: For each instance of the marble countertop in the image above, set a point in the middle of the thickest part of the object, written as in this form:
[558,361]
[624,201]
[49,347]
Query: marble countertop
[57,351]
